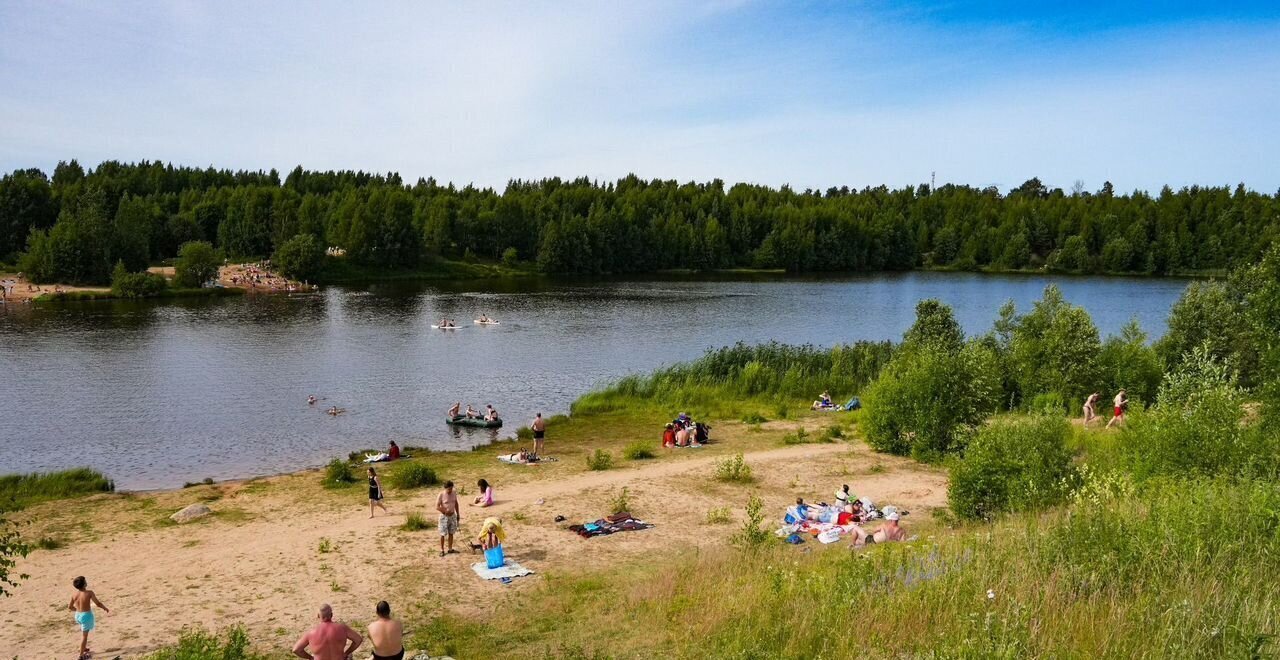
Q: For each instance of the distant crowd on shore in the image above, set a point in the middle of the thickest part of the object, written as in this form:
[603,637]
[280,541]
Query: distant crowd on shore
[260,277]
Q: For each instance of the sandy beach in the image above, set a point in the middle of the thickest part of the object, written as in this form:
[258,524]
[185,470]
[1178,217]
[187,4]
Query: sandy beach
[276,547]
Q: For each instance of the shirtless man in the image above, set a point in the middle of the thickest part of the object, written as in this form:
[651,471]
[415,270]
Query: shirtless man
[1090,408]
[891,530]
[386,634]
[472,413]
[447,505]
[82,604]
[454,411]
[1122,404]
[326,640]
[490,414]
[539,433]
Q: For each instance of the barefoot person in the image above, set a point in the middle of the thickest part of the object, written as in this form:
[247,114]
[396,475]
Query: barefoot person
[328,639]
[1122,404]
[375,493]
[539,434]
[485,498]
[1090,408]
[82,604]
[447,505]
[387,635]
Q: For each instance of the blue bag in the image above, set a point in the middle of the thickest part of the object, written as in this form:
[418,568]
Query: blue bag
[493,557]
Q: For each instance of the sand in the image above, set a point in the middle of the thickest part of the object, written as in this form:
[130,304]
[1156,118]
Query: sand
[259,562]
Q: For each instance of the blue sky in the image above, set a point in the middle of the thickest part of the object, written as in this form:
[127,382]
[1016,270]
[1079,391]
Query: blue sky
[807,94]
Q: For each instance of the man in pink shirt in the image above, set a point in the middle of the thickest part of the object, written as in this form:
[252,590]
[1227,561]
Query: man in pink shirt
[327,639]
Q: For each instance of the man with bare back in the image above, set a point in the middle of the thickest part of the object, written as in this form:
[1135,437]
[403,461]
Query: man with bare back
[539,434]
[447,506]
[82,604]
[387,635]
[327,640]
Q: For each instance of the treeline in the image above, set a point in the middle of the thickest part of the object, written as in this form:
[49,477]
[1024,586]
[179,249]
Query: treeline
[143,212]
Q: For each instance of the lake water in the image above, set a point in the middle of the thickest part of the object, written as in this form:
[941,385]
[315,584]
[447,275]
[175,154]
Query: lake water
[158,393]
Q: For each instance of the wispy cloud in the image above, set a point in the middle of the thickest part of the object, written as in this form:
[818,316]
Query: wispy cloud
[854,95]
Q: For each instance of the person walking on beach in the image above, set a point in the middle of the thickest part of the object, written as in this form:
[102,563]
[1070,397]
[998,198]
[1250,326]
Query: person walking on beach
[387,635]
[539,434]
[447,505]
[82,604]
[1090,408]
[375,493]
[327,639]
[1122,404]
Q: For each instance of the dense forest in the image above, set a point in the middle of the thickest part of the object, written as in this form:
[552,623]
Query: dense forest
[78,224]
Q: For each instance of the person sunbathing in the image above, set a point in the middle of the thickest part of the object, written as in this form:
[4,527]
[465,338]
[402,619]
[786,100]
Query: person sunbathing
[824,401]
[891,530]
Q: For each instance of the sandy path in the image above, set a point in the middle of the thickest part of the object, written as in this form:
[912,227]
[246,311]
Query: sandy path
[268,572]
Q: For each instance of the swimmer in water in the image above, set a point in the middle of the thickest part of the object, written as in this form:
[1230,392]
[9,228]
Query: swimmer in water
[311,400]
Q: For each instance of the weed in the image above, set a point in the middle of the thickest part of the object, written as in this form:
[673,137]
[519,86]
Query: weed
[733,469]
[719,516]
[620,502]
[337,474]
[414,522]
[335,587]
[752,535]
[198,644]
[49,543]
[412,475]
[21,490]
[600,460]
[638,450]
[754,418]
[325,546]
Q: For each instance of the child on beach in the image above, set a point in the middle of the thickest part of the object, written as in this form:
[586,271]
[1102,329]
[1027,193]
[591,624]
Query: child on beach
[82,604]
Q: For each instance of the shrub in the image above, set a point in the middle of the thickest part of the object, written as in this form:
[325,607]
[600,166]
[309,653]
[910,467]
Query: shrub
[300,257]
[925,399]
[752,535]
[510,257]
[1012,465]
[734,470]
[18,491]
[338,474]
[620,502]
[524,433]
[198,644]
[600,460]
[638,450]
[802,437]
[136,285]
[719,516]
[1048,403]
[1054,348]
[49,543]
[753,418]
[412,475]
[1127,362]
[414,522]
[325,546]
[196,264]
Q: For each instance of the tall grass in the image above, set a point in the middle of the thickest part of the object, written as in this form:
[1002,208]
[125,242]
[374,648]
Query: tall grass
[18,491]
[740,371]
[200,644]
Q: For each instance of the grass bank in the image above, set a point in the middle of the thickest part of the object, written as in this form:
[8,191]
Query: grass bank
[342,271]
[79,296]
[18,491]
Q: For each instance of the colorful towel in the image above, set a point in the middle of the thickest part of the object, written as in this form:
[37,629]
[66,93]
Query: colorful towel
[509,570]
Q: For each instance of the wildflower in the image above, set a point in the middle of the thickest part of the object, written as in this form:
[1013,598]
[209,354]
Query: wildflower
[991,594]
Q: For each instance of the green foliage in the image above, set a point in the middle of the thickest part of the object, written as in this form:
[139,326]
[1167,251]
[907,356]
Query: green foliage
[410,474]
[1212,314]
[524,434]
[926,398]
[1012,465]
[638,450]
[620,502]
[753,534]
[753,418]
[196,264]
[199,644]
[136,285]
[414,522]
[337,474]
[18,491]
[936,326]
[1196,427]
[300,257]
[12,548]
[1127,362]
[1048,403]
[325,546]
[733,470]
[1054,348]
[599,460]
[719,516]
[510,257]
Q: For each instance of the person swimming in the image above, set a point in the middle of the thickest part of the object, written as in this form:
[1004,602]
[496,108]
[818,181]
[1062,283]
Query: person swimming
[311,400]
[335,411]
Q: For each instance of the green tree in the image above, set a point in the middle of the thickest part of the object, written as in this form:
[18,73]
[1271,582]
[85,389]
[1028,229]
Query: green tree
[196,264]
[300,257]
[936,325]
[1127,362]
[12,549]
[1014,464]
[135,285]
[1054,349]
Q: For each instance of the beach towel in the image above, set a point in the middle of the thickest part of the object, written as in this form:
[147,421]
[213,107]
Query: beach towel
[377,458]
[514,459]
[511,569]
[604,527]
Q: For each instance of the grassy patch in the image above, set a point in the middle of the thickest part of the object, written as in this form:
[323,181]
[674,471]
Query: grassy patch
[412,475]
[199,644]
[338,474]
[719,516]
[599,460]
[18,491]
[733,470]
[414,522]
[638,450]
[325,546]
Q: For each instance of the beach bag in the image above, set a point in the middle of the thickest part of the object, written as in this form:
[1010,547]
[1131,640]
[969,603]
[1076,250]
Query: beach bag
[493,557]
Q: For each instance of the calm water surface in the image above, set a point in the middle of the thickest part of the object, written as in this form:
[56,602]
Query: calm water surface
[158,393]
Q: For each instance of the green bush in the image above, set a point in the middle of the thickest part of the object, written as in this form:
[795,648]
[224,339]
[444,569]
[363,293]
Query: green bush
[524,434]
[719,516]
[1048,403]
[1053,348]
[510,257]
[136,285]
[199,644]
[414,522]
[600,460]
[412,475]
[338,474]
[1127,362]
[1017,464]
[196,264]
[753,534]
[620,502]
[300,257]
[638,450]
[733,469]
[926,397]
[18,491]
[753,418]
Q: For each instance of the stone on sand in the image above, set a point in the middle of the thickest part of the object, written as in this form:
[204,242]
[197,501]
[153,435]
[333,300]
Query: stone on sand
[190,513]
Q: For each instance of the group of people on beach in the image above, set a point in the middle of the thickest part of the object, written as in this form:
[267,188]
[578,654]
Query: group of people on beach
[259,275]
[848,515]
[1119,408]
[684,432]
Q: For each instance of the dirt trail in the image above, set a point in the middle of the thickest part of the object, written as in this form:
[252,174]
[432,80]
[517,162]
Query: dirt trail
[270,571]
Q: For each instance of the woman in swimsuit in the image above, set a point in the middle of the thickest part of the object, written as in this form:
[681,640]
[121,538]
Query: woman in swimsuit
[375,493]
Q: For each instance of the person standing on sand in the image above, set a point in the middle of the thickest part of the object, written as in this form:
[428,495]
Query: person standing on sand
[1122,404]
[447,505]
[1090,408]
[539,434]
[82,604]
[375,493]
[327,638]
[387,635]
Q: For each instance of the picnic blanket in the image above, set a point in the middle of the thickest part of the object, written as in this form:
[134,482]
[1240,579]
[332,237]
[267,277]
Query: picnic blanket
[618,522]
[509,569]
[514,459]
